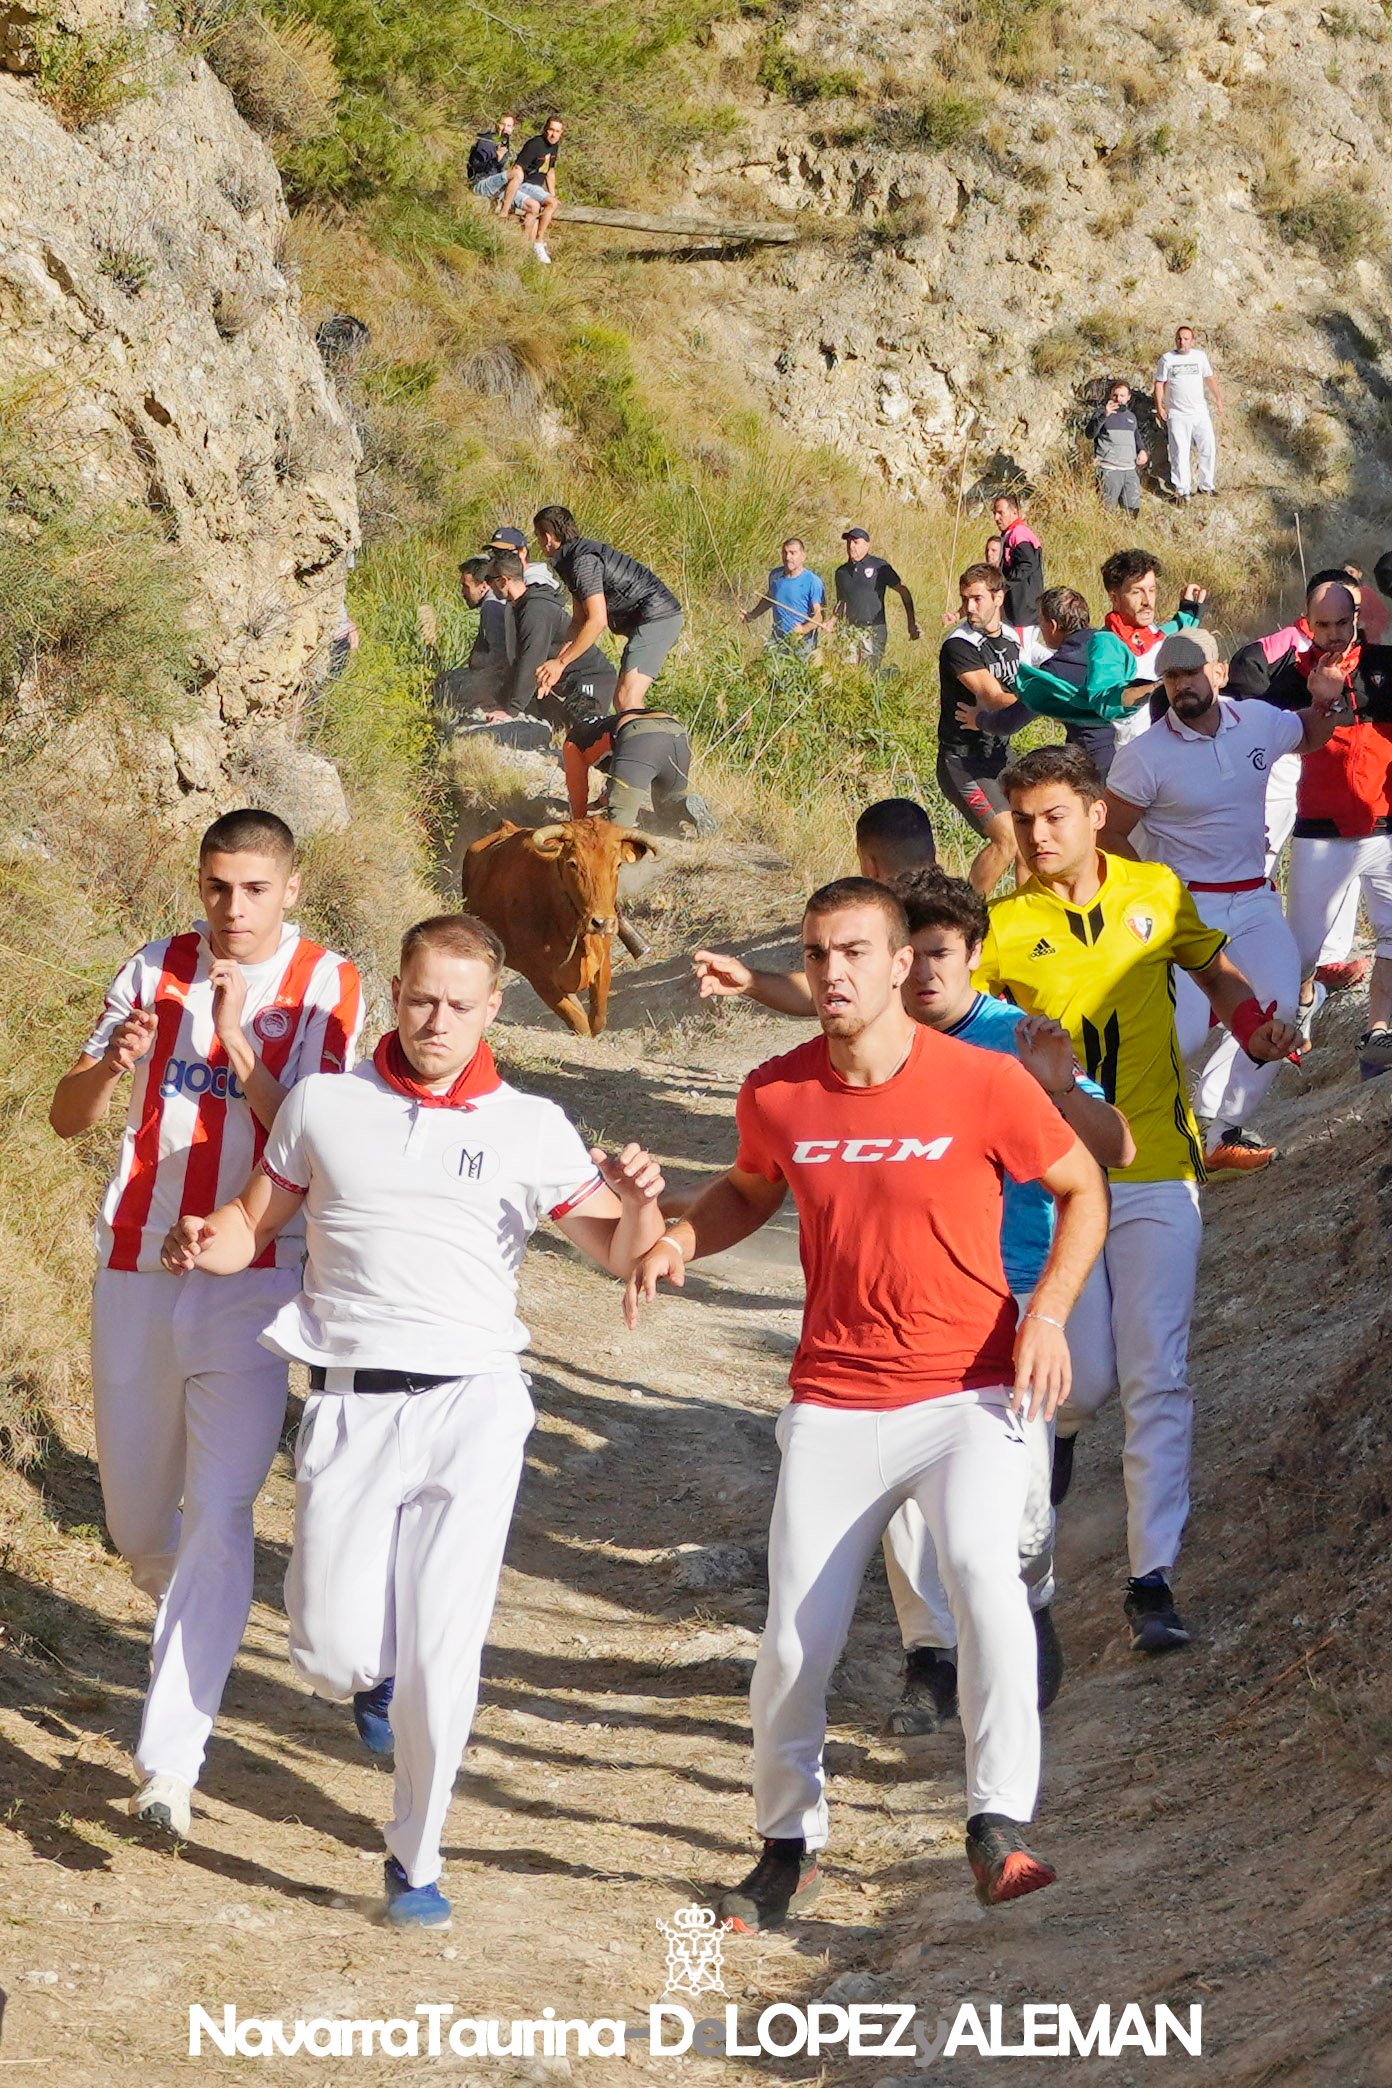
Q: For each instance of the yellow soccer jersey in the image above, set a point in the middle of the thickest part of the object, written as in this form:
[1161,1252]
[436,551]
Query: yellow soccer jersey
[1104,972]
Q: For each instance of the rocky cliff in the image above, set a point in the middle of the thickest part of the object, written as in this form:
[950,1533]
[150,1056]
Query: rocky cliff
[1006,219]
[140,277]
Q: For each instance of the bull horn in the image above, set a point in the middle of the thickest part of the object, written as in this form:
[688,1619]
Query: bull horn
[552,836]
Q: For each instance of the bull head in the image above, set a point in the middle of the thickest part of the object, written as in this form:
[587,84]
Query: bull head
[587,854]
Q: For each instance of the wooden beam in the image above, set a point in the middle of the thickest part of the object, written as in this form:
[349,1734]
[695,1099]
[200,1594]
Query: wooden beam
[730,232]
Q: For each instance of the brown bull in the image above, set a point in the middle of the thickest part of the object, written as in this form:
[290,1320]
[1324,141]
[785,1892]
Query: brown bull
[552,894]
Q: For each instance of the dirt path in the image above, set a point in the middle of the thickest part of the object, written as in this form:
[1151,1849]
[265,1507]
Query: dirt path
[1221,1835]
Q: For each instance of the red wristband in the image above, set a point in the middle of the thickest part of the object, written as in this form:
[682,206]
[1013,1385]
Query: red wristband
[1247,1018]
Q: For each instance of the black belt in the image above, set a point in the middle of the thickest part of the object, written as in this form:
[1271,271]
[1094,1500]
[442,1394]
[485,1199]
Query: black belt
[380,1380]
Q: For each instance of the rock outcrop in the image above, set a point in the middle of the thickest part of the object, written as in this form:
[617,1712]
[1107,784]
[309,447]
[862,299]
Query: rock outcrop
[1209,163]
[140,280]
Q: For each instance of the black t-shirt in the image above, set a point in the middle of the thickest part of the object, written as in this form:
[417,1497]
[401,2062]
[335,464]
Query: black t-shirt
[965,651]
[632,594]
[537,158]
[861,583]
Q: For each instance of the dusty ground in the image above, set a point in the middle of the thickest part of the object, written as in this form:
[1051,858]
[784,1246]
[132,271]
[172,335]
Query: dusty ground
[1221,1821]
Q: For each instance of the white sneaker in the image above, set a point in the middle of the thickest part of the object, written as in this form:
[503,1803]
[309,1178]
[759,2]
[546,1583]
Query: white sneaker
[1308,1010]
[164,1803]
[540,252]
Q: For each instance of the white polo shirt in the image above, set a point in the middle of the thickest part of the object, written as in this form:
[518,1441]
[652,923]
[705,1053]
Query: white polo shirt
[1184,376]
[1204,798]
[417,1219]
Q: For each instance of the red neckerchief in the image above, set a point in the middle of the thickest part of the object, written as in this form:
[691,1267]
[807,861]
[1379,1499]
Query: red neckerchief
[1306,662]
[480,1076]
[1139,638]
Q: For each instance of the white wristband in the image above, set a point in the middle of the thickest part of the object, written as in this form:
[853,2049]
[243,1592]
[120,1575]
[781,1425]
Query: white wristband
[669,1239]
[1044,1317]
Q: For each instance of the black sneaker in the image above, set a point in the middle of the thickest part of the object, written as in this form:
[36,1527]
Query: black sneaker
[784,1881]
[1004,1867]
[1155,1622]
[1050,1657]
[1063,1468]
[929,1697]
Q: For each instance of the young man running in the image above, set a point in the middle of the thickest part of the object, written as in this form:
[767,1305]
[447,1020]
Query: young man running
[978,664]
[1090,939]
[422,1176]
[911,1379]
[1198,779]
[213,1028]
[947,925]
[609,592]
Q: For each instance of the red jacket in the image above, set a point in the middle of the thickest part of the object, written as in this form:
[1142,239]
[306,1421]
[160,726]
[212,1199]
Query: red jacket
[1345,785]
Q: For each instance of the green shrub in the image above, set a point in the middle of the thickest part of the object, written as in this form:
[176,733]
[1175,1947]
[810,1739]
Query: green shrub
[1339,222]
[85,75]
[793,78]
[280,73]
[1181,249]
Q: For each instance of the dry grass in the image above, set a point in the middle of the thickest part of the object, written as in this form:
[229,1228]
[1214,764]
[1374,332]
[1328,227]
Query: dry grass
[281,74]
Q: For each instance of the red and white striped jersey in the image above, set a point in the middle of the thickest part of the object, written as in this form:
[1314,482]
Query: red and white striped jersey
[191,1140]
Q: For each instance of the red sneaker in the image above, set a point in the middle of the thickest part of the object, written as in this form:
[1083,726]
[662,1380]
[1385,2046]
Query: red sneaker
[1342,978]
[1238,1152]
[1004,1868]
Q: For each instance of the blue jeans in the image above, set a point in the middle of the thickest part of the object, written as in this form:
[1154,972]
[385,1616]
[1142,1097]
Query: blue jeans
[490,185]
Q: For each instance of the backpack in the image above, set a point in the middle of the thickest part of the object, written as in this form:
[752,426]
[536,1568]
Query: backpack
[483,156]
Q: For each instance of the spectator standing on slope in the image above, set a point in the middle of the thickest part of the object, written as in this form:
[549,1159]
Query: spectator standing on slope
[1185,388]
[797,598]
[861,586]
[1117,450]
[1022,561]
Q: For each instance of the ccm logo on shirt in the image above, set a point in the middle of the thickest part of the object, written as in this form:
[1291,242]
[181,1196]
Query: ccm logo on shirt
[197,1077]
[808,1152]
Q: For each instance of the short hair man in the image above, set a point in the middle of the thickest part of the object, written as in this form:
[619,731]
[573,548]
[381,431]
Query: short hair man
[1022,559]
[862,583]
[796,597]
[609,592]
[1118,453]
[487,169]
[1198,779]
[1090,939]
[213,1027]
[893,839]
[531,186]
[947,926]
[1185,388]
[978,661]
[911,1375]
[421,1176]
[479,687]
[537,623]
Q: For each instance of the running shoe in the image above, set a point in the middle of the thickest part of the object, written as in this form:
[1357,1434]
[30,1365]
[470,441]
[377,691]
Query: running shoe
[1305,1020]
[1004,1866]
[1342,978]
[370,1708]
[414,1906]
[1050,1653]
[163,1803]
[784,1881]
[1155,1622]
[1375,1053]
[929,1697]
[1238,1152]
[1063,1468]
[540,253]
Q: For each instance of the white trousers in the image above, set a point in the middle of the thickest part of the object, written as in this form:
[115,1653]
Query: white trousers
[1281,790]
[1131,1333]
[1261,945]
[1182,431]
[844,1473]
[1323,876]
[402,1507]
[188,1409]
[921,1607]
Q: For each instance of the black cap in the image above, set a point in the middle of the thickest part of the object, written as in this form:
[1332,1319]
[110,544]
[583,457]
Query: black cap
[506,540]
[856,529]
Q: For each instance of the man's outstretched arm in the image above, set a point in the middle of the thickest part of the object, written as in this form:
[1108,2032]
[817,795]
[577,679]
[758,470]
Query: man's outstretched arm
[723,1215]
[229,1240]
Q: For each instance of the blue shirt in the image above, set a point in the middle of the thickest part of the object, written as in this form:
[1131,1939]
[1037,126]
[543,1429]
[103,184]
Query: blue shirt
[1027,1215]
[794,597]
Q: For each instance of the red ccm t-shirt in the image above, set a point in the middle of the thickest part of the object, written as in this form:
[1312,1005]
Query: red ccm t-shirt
[898,1194]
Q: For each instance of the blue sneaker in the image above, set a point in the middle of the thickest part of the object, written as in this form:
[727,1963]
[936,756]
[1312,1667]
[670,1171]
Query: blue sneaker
[413,1906]
[370,1707]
